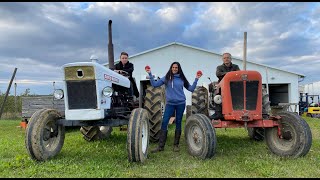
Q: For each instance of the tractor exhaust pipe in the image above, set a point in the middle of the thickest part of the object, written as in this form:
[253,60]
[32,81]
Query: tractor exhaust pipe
[110,48]
[245,51]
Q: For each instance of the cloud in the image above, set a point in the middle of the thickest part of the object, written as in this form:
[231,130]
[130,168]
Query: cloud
[39,38]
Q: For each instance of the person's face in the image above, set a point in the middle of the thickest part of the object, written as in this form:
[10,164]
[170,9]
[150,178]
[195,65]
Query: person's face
[226,59]
[124,59]
[174,69]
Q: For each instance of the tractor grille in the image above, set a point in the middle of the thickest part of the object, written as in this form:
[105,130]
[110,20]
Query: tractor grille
[82,94]
[252,94]
[237,95]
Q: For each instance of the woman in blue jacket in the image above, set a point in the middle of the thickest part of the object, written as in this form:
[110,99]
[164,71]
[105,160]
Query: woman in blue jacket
[174,82]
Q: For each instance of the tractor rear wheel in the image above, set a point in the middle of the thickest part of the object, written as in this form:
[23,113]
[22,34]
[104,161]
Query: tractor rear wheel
[44,137]
[295,136]
[258,133]
[154,103]
[188,111]
[92,133]
[138,135]
[200,136]
[309,115]
[200,100]
[266,109]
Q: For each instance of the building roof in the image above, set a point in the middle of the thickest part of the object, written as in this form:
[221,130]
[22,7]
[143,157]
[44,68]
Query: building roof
[207,51]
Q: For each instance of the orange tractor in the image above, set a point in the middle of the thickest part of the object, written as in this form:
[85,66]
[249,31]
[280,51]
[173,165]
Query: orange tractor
[245,103]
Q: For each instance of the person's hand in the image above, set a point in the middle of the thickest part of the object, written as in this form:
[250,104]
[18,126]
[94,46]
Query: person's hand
[199,74]
[148,69]
[124,73]
[118,71]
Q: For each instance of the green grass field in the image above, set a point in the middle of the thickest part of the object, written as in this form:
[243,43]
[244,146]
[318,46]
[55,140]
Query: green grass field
[236,156]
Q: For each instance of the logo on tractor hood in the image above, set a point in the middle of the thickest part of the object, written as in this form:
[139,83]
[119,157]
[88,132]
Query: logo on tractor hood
[111,78]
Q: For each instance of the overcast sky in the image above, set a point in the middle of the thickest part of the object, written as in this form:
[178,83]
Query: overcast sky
[38,38]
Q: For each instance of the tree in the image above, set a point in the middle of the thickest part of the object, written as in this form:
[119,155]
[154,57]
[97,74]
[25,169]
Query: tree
[26,92]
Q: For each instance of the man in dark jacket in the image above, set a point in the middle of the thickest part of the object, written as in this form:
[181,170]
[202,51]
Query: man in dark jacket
[226,67]
[125,65]
[221,71]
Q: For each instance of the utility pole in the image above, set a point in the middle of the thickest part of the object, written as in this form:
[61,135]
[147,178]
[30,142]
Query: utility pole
[15,98]
[5,98]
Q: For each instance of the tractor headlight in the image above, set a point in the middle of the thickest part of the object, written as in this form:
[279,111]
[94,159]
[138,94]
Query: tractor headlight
[58,93]
[217,99]
[107,91]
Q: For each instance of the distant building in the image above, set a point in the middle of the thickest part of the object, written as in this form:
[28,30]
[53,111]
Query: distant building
[312,89]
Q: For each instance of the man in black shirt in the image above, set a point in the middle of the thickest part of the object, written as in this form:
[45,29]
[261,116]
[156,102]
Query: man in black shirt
[125,65]
[221,71]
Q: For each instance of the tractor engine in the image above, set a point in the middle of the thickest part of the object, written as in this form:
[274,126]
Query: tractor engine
[121,99]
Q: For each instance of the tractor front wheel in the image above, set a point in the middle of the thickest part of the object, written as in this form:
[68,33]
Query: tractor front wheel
[44,137]
[292,138]
[200,136]
[138,135]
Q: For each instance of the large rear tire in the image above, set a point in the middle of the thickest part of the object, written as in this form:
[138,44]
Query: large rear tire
[188,111]
[138,135]
[92,133]
[258,133]
[44,137]
[200,101]
[266,109]
[296,138]
[200,136]
[154,103]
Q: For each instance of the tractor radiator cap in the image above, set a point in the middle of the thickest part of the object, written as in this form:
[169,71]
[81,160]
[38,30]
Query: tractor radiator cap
[94,58]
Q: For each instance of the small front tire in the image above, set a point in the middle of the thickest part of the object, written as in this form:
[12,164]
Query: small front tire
[138,135]
[44,136]
[200,136]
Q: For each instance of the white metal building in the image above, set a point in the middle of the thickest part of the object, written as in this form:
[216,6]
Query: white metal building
[282,85]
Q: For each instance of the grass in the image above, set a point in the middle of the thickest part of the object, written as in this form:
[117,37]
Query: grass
[236,156]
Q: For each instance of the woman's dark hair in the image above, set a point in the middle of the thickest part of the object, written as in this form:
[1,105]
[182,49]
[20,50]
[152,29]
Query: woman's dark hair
[169,75]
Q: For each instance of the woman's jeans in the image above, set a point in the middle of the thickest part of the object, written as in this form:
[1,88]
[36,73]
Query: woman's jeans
[170,109]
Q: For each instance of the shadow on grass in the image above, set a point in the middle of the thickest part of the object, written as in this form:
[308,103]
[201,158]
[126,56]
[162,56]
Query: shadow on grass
[230,145]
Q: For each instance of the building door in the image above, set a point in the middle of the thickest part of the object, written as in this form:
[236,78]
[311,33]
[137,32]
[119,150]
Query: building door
[278,93]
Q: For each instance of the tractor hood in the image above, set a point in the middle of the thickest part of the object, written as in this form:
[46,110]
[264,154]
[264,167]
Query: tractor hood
[93,71]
